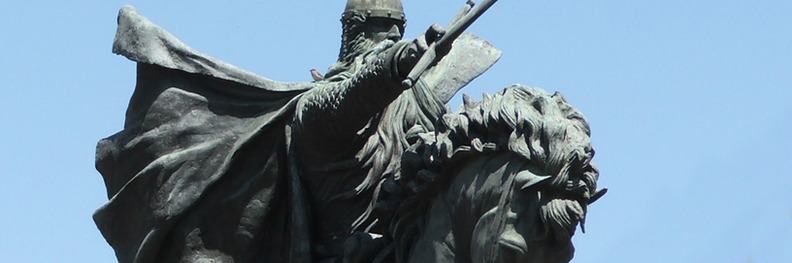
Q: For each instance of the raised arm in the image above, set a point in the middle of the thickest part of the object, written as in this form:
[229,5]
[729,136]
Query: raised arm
[333,112]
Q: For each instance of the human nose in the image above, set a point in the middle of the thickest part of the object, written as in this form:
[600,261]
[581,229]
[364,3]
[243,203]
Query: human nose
[394,33]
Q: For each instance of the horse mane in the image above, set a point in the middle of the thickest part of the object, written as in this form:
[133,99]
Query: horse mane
[539,128]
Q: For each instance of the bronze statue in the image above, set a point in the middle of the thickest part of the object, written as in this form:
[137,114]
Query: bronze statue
[217,164]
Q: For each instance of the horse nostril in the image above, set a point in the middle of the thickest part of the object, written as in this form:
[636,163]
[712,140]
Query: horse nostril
[512,240]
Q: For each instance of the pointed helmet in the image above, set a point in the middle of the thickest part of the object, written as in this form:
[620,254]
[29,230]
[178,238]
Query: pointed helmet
[375,8]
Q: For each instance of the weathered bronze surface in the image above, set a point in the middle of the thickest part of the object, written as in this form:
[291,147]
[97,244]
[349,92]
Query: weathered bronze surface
[217,164]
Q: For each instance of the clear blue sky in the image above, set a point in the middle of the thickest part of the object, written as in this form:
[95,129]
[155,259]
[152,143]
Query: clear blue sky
[690,105]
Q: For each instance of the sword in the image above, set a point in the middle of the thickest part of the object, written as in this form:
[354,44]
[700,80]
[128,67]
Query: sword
[470,12]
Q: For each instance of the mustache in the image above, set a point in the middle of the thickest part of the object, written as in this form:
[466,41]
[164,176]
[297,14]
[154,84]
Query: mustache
[356,47]
[351,49]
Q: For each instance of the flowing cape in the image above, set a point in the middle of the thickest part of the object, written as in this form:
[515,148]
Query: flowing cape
[192,122]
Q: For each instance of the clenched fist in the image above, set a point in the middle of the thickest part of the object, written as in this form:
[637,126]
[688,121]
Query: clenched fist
[410,55]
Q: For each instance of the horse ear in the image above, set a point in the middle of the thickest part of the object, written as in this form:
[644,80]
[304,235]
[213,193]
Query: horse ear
[525,179]
[599,193]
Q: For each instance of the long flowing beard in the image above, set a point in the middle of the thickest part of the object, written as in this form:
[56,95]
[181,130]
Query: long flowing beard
[350,49]
[356,47]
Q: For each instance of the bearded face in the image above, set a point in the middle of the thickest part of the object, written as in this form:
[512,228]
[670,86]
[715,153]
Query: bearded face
[361,34]
[354,43]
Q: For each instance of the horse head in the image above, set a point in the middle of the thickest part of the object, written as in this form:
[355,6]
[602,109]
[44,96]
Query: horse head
[507,179]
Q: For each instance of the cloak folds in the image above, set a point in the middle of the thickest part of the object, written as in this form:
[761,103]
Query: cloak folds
[204,144]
